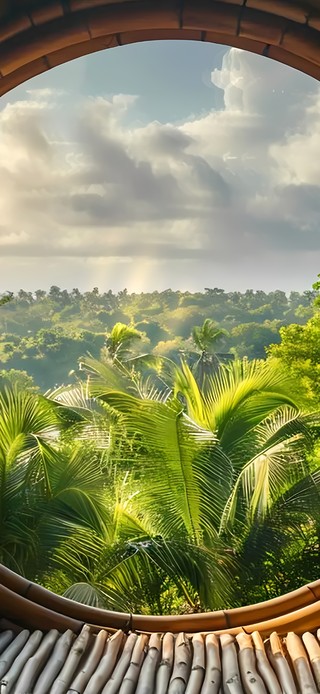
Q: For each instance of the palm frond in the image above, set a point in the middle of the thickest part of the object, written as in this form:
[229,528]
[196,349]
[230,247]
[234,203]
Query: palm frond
[279,461]
[87,594]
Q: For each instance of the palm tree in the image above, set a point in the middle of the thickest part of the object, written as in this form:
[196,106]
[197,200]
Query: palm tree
[280,552]
[47,488]
[119,341]
[206,465]
[248,406]
[119,495]
[67,514]
[134,562]
[206,338]
[153,536]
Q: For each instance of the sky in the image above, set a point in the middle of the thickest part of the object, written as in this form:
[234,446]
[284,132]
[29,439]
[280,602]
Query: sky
[156,165]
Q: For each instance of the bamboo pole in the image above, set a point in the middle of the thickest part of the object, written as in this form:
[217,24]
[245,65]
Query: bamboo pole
[300,662]
[198,665]
[107,664]
[114,683]
[32,668]
[89,666]
[11,652]
[280,664]
[165,667]
[212,680]
[25,611]
[11,677]
[230,668]
[55,663]
[181,665]
[58,607]
[251,680]
[263,665]
[26,655]
[148,671]
[313,650]
[7,625]
[130,679]
[5,638]
[296,611]
[64,678]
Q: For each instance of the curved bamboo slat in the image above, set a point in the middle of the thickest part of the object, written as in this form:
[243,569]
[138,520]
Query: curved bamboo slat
[50,645]
[297,611]
[37,35]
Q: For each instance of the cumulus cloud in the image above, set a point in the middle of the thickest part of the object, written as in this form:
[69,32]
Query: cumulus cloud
[230,188]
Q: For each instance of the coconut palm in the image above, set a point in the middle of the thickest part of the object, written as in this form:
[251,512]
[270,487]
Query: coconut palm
[248,406]
[46,488]
[66,513]
[280,552]
[152,535]
[119,341]
[117,493]
[134,561]
[205,463]
[206,338]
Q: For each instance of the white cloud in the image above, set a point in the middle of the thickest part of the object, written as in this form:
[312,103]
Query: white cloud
[232,187]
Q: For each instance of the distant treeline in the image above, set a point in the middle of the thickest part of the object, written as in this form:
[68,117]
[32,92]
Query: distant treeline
[46,333]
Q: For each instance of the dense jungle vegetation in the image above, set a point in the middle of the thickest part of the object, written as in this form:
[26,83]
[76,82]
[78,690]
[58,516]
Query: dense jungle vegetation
[46,333]
[160,452]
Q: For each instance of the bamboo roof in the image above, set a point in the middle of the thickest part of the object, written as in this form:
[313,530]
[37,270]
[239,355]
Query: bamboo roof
[51,644]
[36,35]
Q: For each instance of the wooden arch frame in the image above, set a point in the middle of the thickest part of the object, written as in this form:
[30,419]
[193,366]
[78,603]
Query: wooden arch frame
[36,35]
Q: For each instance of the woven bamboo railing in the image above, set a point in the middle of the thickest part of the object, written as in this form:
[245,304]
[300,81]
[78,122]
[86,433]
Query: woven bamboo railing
[36,35]
[56,663]
[30,605]
[50,645]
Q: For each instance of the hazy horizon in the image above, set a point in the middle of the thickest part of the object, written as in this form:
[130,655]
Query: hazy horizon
[131,290]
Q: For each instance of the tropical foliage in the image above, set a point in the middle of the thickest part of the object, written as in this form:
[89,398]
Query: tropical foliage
[162,479]
[142,488]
